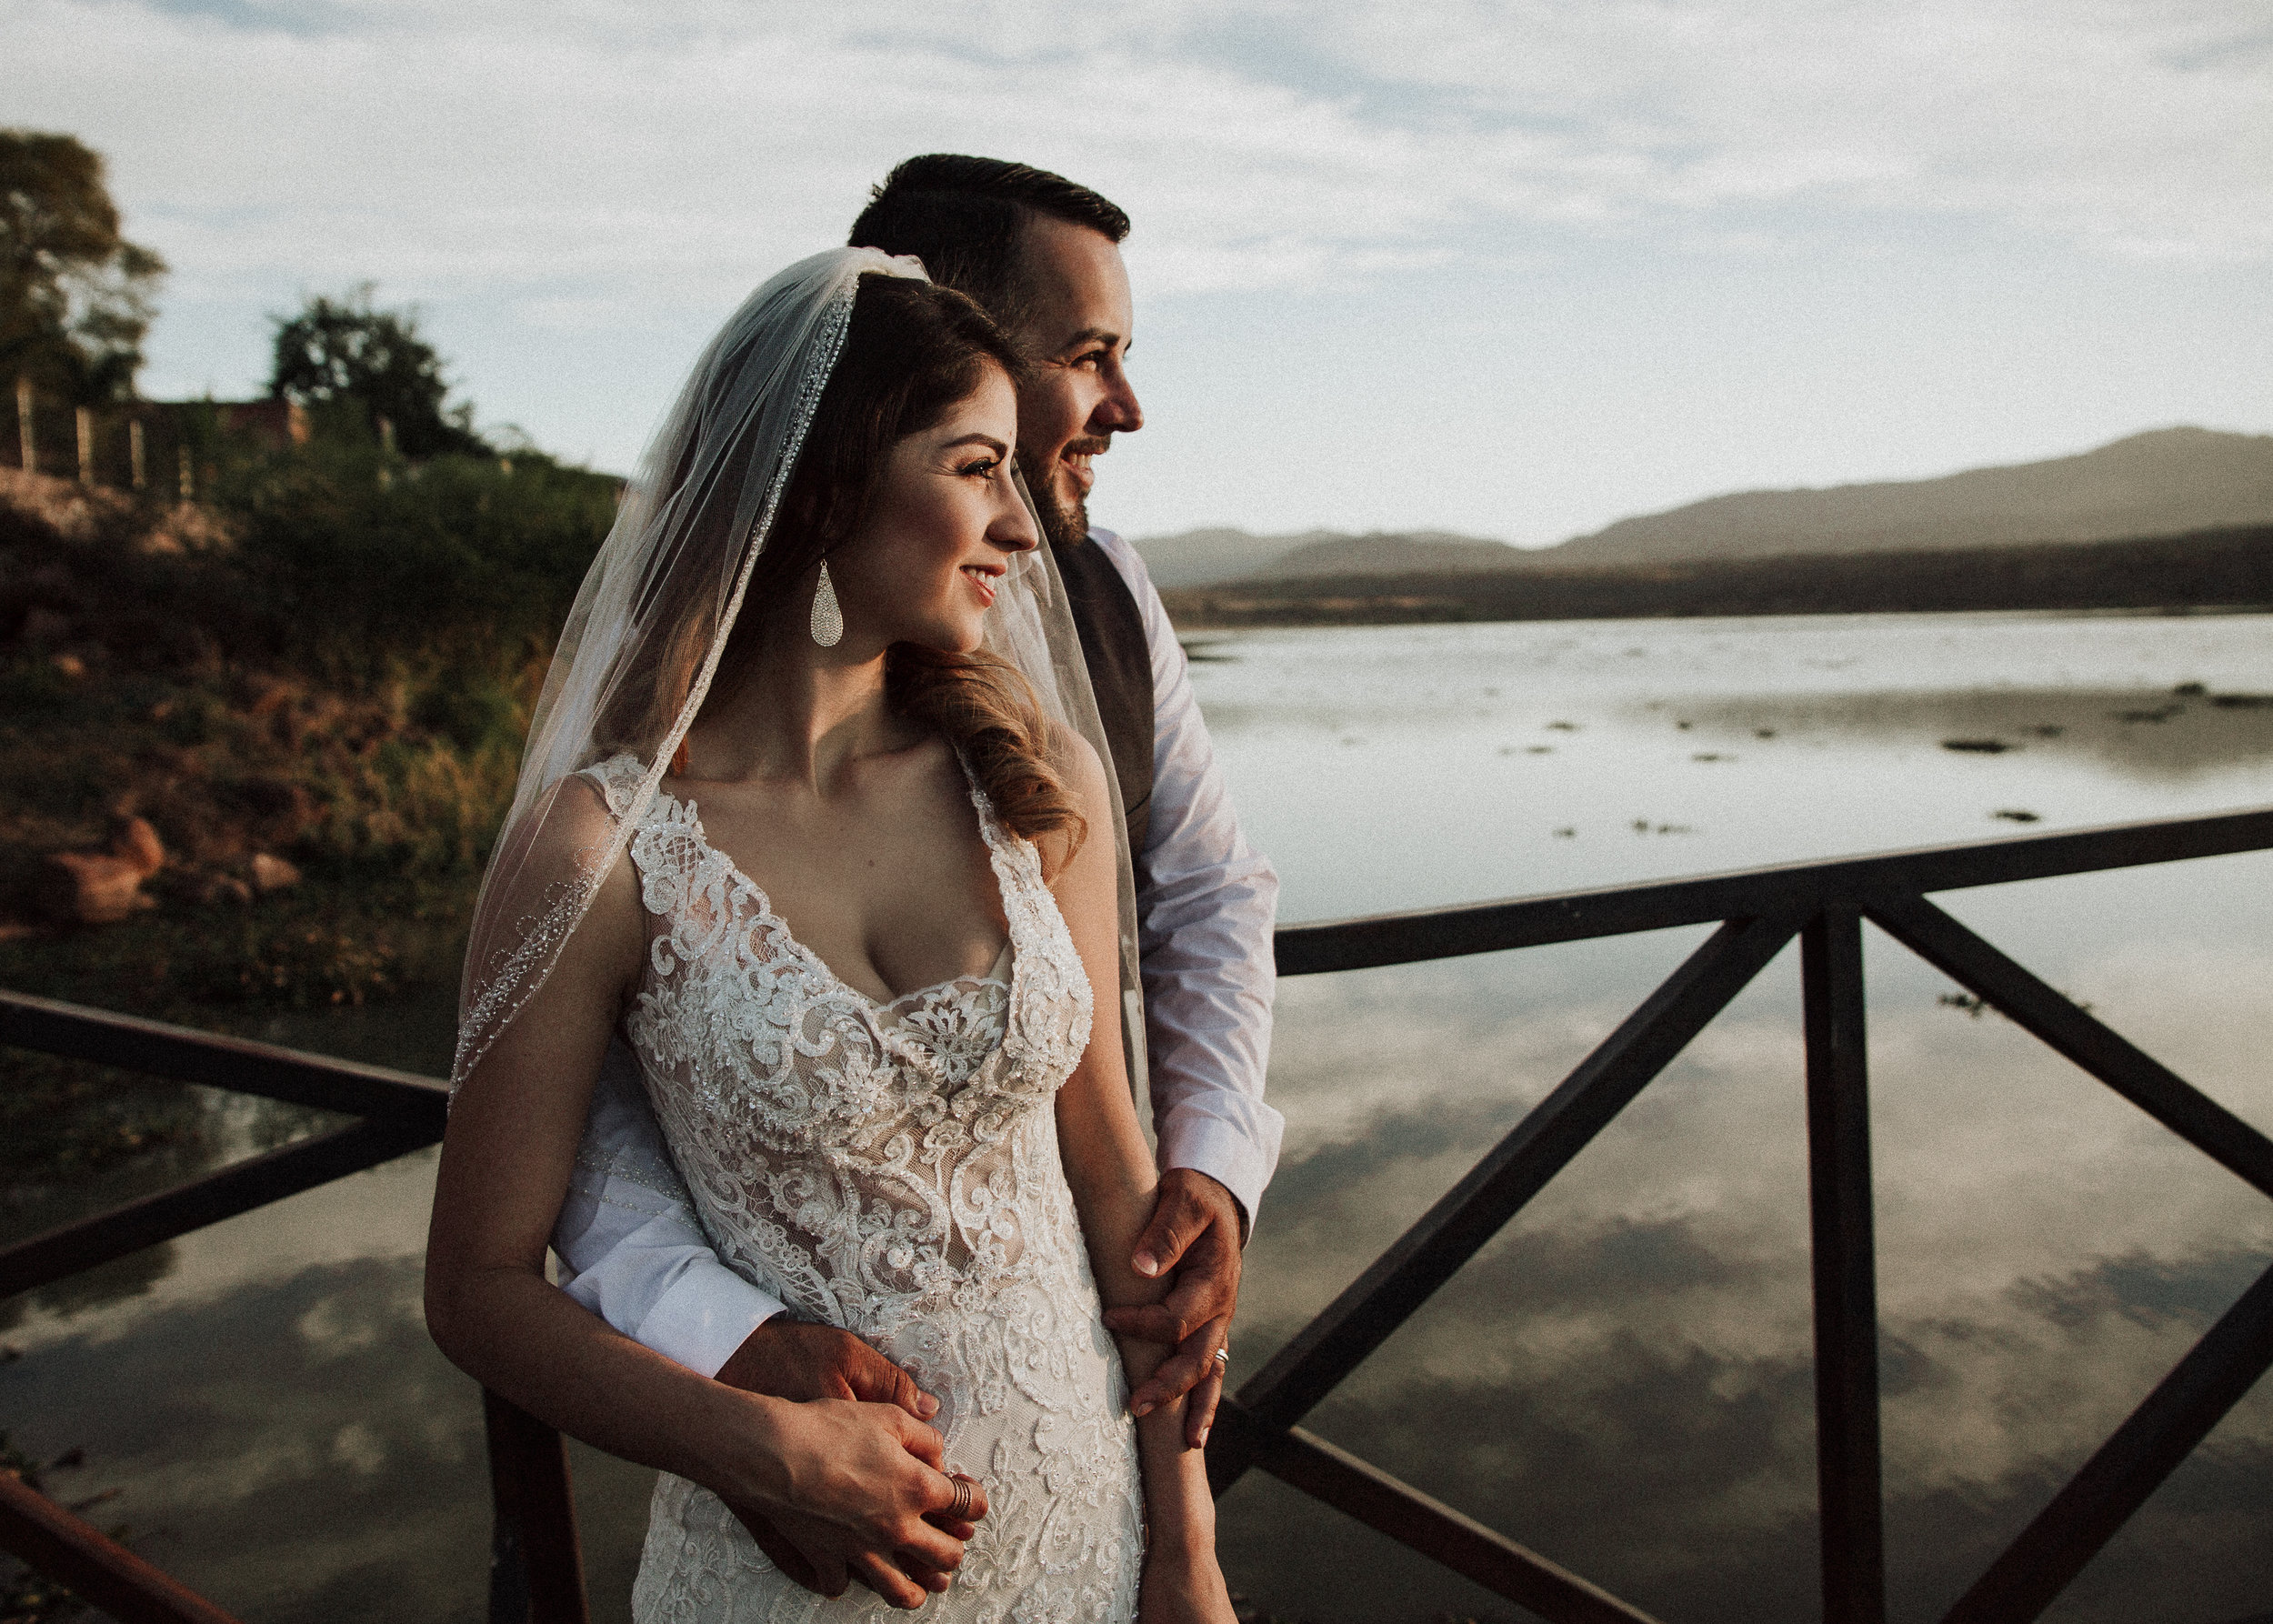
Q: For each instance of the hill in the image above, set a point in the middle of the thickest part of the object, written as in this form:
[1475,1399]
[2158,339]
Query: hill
[1387,553]
[2227,568]
[1201,557]
[1196,557]
[2167,482]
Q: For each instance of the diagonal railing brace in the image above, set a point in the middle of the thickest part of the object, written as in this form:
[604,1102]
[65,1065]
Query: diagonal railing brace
[2060,1023]
[2130,1466]
[1303,1460]
[1473,1210]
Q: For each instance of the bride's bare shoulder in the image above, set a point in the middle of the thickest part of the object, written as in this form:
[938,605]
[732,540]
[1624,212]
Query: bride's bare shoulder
[1082,771]
[566,843]
[1076,761]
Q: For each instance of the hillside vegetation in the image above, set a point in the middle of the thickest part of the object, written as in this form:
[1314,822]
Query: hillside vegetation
[310,693]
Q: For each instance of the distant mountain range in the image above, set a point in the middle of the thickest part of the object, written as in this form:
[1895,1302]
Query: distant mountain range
[2166,482]
[1200,557]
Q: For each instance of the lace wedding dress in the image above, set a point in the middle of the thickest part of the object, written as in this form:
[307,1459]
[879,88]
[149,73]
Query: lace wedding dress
[893,1170]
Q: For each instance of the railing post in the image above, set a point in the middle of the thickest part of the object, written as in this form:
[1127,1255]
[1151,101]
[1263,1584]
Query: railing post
[536,1559]
[1848,1476]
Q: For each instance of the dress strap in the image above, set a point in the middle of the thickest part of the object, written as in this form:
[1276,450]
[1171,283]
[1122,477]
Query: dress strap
[617,778]
[989,826]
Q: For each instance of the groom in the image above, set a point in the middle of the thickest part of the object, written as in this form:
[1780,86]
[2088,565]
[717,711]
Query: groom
[1041,256]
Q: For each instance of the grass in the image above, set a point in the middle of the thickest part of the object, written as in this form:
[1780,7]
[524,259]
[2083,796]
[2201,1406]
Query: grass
[321,665]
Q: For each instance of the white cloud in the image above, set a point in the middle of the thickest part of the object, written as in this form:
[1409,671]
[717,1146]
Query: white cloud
[575,191]
[523,143]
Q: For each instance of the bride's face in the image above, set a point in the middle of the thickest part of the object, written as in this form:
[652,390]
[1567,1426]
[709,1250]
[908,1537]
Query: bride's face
[927,561]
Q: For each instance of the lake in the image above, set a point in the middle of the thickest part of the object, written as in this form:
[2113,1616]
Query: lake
[1622,1380]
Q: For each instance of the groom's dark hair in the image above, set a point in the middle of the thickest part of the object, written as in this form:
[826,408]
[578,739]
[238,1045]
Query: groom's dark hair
[967,218]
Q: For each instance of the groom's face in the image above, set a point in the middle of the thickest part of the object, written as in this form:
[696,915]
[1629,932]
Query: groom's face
[1080,397]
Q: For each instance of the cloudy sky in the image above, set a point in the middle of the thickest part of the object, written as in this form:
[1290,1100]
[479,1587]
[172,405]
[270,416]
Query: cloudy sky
[1513,269]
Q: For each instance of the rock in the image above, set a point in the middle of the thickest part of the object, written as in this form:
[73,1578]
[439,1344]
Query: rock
[93,887]
[101,887]
[138,843]
[272,873]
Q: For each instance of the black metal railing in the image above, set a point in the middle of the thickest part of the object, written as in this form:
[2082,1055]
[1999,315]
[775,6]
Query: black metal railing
[535,1567]
[535,1573]
[1759,912]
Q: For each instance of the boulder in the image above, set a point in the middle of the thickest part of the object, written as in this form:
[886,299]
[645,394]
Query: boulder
[138,843]
[101,887]
[271,873]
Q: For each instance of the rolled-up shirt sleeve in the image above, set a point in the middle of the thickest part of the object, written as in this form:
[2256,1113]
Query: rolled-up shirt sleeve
[630,1247]
[1206,907]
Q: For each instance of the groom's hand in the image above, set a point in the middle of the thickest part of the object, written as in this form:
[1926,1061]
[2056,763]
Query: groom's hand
[1194,1231]
[794,1359]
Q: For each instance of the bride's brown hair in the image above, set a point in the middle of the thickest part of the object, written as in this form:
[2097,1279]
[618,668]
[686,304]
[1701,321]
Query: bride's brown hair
[913,351]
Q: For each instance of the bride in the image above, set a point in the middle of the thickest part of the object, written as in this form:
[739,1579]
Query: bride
[808,818]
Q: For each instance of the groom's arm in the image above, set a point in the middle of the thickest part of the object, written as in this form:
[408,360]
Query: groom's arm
[1206,907]
[634,1254]
[632,1250]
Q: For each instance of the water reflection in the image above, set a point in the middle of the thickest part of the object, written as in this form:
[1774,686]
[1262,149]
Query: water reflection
[1624,1379]
[285,1448]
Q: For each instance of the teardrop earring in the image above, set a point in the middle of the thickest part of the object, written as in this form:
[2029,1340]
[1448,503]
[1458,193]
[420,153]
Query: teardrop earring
[828,620]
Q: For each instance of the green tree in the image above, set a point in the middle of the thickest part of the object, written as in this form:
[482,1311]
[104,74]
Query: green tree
[75,297]
[347,352]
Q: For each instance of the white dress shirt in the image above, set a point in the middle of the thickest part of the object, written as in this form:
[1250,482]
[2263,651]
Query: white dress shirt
[630,1244]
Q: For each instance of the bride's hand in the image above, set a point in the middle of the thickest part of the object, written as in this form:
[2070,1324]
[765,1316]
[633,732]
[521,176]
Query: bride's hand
[849,1487]
[1183,1586]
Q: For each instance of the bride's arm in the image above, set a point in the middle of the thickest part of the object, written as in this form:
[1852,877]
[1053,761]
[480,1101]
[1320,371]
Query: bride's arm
[842,1480]
[1112,1179]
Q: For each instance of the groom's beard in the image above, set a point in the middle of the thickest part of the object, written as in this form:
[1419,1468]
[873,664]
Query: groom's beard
[1059,502]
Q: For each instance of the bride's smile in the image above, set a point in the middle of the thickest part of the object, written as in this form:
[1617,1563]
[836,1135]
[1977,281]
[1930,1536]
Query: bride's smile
[923,565]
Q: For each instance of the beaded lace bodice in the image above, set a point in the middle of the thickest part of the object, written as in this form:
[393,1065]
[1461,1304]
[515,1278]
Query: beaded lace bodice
[891,1168]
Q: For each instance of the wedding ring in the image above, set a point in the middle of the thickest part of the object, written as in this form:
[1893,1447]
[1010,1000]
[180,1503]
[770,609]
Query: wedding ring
[1222,1355]
[960,1509]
